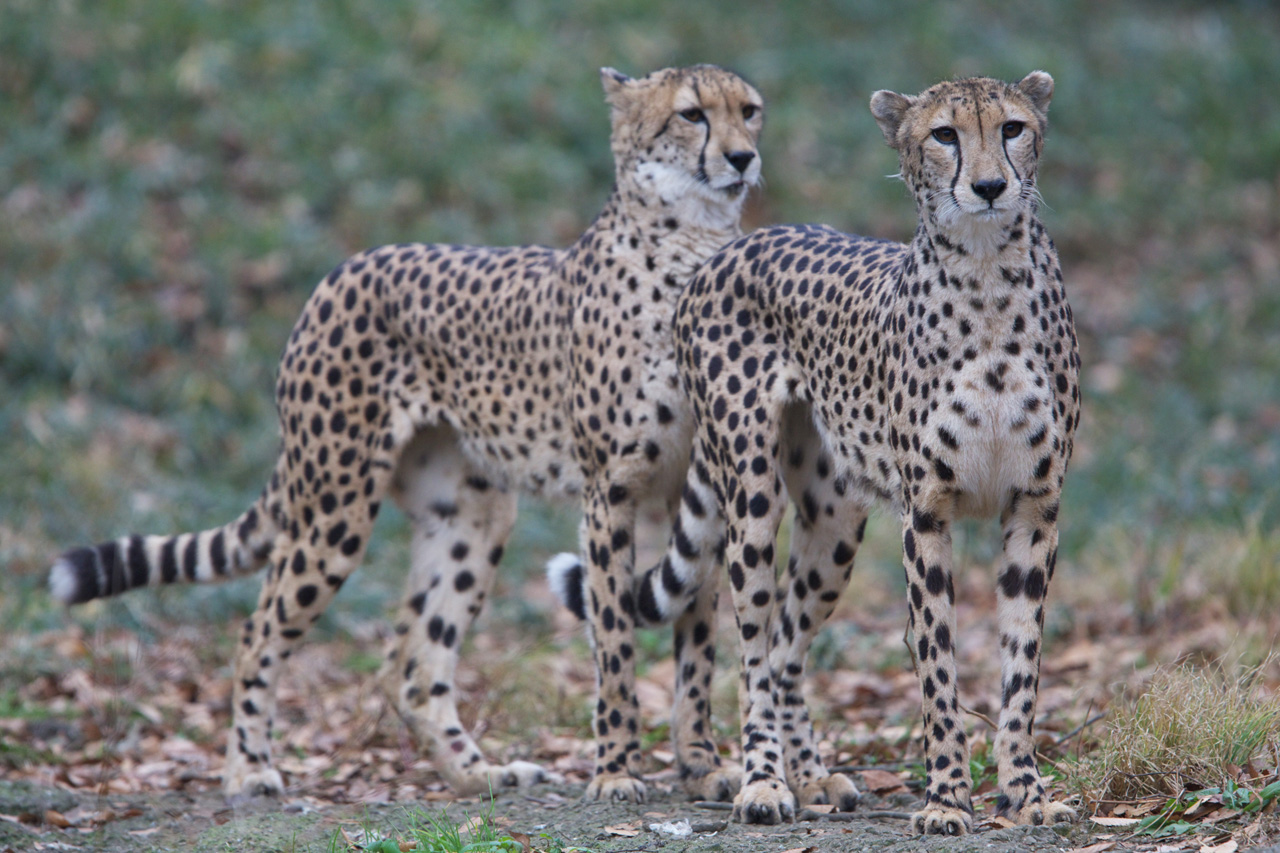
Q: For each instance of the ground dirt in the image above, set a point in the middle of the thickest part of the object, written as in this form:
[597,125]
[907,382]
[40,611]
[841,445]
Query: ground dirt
[204,823]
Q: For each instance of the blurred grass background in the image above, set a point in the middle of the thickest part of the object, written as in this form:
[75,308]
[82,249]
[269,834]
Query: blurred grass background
[175,177]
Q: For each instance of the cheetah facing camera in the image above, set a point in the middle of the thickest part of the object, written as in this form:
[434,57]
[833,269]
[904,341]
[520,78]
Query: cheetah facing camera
[940,376]
[453,377]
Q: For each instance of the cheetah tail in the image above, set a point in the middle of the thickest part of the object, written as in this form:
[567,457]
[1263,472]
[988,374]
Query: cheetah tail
[657,602]
[208,556]
[568,579]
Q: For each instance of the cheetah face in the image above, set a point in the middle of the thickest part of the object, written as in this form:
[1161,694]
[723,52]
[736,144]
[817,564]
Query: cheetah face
[687,132]
[969,148]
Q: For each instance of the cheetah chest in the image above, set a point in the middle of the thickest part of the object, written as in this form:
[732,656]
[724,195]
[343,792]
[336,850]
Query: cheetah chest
[991,430]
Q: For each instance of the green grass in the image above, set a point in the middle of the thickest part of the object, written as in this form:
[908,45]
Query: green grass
[429,832]
[1192,728]
[175,178]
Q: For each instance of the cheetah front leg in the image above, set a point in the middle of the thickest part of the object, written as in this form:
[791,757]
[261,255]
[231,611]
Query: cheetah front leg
[754,504]
[1030,552]
[608,525]
[927,558]
[461,522]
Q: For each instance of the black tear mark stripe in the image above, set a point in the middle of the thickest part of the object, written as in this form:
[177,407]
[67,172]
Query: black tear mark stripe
[955,179]
[702,153]
[1004,145]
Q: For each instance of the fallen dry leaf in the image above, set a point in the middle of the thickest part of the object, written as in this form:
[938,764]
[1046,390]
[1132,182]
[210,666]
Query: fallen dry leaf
[625,830]
[882,781]
[1228,846]
[1094,848]
[1115,821]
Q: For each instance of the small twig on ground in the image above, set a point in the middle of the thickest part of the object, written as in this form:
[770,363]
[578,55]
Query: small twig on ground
[845,817]
[980,716]
[810,814]
[1078,729]
[858,768]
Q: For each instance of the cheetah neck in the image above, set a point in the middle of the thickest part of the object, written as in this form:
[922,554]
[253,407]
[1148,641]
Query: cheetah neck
[659,232]
[976,255]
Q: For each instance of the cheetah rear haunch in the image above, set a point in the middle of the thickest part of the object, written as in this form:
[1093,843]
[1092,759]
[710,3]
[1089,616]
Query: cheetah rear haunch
[837,371]
[451,378]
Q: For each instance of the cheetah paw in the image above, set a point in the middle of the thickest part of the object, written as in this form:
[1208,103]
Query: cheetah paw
[835,789]
[493,777]
[766,801]
[522,774]
[719,784]
[263,783]
[618,789]
[1038,814]
[939,820]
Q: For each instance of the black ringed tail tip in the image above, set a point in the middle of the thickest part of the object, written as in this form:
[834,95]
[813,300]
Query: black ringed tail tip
[568,581]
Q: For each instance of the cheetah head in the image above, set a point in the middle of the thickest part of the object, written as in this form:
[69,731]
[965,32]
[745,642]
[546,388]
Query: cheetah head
[687,134]
[968,149]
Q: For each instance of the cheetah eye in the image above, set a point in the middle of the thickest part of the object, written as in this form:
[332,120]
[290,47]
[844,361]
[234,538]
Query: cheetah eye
[694,115]
[1012,129]
[749,112]
[946,135]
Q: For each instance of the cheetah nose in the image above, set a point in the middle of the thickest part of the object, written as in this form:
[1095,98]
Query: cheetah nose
[990,190]
[740,160]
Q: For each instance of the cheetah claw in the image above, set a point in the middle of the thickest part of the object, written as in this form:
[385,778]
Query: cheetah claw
[616,789]
[835,789]
[719,784]
[938,820]
[493,777]
[522,774]
[1041,813]
[767,802]
[264,783]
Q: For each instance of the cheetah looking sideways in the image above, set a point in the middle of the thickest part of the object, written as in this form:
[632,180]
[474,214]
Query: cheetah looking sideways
[451,378]
[939,376]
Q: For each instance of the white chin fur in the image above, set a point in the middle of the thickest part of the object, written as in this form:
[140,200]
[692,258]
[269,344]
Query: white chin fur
[705,204]
[980,230]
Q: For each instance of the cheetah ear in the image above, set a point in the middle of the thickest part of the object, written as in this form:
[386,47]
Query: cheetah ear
[889,108]
[1038,87]
[614,83]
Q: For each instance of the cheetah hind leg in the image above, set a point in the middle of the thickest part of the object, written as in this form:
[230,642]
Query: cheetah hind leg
[828,530]
[460,523]
[684,586]
[703,773]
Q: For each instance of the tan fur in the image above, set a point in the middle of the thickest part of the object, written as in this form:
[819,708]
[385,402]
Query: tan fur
[940,377]
[452,378]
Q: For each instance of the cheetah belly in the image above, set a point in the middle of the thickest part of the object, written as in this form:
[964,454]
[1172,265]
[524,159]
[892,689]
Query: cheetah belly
[538,460]
[997,409]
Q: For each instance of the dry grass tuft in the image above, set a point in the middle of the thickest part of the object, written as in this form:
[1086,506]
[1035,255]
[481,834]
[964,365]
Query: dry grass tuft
[1246,569]
[1193,728]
